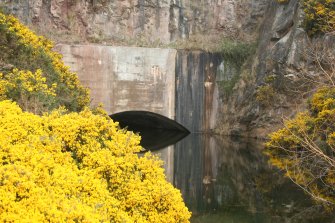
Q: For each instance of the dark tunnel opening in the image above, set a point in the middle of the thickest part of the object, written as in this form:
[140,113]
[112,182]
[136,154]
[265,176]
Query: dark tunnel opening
[157,131]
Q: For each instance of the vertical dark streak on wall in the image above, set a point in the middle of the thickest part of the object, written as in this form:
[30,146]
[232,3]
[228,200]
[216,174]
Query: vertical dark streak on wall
[195,75]
[182,25]
[142,14]
[158,12]
[189,90]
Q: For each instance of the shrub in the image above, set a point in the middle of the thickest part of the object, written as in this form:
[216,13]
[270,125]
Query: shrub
[236,52]
[265,95]
[22,49]
[227,86]
[305,148]
[320,16]
[79,167]
[29,89]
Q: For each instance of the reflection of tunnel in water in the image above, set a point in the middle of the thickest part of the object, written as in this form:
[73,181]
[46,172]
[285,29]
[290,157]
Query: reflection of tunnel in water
[157,131]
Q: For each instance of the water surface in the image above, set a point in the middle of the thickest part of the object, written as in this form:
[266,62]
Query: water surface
[230,180]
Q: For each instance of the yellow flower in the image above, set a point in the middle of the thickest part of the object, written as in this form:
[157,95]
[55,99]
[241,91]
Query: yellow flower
[79,167]
[42,47]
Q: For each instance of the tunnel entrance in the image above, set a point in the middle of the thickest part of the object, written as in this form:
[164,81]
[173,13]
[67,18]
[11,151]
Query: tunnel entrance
[157,131]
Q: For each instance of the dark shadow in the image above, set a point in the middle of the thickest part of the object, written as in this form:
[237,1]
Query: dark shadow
[157,131]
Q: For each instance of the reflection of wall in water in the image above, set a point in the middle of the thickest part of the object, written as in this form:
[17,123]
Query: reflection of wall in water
[193,172]
[211,173]
[239,164]
[199,162]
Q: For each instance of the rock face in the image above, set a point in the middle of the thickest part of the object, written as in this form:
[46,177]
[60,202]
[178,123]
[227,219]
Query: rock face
[139,22]
[276,83]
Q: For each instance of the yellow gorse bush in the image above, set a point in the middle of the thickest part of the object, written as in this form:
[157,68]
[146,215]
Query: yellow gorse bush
[27,37]
[319,16]
[305,148]
[37,50]
[79,167]
[28,89]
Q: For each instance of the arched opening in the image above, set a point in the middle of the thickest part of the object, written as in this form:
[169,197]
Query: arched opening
[157,131]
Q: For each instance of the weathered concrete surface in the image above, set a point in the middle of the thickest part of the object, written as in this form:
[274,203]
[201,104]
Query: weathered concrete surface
[125,78]
[179,85]
[196,97]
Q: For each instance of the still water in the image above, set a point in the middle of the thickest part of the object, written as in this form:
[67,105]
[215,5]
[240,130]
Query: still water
[229,180]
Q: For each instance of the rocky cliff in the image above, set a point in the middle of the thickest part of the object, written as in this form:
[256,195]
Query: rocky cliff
[277,81]
[254,96]
[139,22]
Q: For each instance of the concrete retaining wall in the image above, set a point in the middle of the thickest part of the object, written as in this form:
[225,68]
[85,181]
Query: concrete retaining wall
[179,85]
[125,78]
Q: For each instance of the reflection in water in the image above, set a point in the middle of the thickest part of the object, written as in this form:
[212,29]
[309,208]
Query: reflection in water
[157,131]
[227,180]
[153,139]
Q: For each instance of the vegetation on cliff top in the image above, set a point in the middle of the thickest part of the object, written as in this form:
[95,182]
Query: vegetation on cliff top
[319,15]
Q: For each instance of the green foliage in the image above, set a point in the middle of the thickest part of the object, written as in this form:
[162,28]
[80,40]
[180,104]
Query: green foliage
[270,79]
[236,52]
[228,77]
[305,148]
[29,89]
[265,95]
[320,16]
[283,1]
[227,86]
[322,100]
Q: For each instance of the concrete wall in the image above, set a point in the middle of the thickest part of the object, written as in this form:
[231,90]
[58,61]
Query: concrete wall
[179,85]
[196,90]
[125,78]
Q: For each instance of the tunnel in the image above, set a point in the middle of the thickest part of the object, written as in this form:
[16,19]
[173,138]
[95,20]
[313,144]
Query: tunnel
[157,131]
